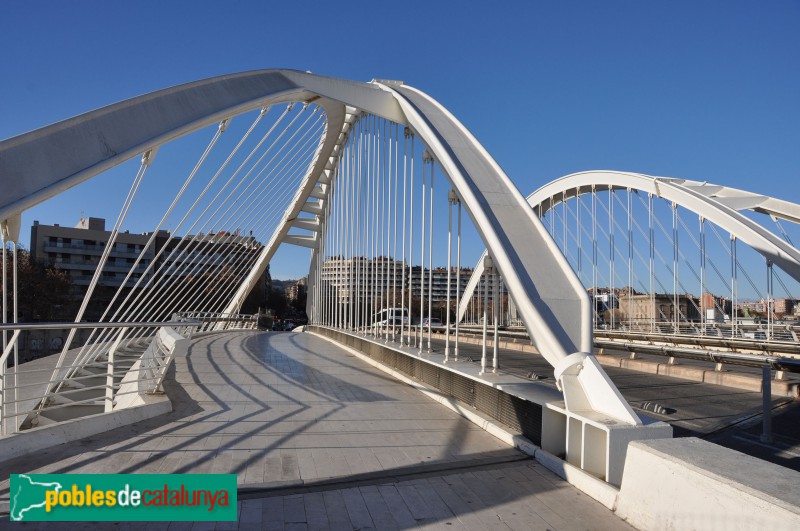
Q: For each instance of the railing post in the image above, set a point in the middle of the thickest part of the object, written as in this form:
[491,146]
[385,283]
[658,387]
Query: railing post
[109,400]
[495,318]
[766,402]
[3,398]
[6,351]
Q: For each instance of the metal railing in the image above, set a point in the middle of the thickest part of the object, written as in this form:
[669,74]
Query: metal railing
[645,346]
[209,321]
[773,337]
[780,364]
[765,331]
[85,381]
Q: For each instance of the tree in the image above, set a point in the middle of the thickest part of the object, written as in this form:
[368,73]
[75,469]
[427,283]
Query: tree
[276,301]
[43,291]
[299,304]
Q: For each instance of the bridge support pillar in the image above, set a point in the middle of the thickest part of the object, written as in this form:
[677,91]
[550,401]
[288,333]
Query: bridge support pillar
[595,445]
[598,430]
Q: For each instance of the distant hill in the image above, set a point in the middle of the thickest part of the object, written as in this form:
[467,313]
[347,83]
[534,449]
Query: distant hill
[283,284]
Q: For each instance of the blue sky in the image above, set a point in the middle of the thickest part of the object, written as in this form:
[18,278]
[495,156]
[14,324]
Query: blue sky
[692,89]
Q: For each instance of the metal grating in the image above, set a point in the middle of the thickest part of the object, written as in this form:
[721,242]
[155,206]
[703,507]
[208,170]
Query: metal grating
[430,375]
[487,399]
[506,412]
[524,416]
[419,370]
[405,365]
[463,389]
[446,382]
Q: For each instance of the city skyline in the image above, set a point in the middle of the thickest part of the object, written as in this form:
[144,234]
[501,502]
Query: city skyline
[84,224]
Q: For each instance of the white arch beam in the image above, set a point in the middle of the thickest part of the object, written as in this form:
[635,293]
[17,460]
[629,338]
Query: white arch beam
[43,163]
[718,204]
[744,200]
[548,295]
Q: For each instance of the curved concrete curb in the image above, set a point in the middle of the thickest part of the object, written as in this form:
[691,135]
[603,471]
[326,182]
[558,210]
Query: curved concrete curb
[36,439]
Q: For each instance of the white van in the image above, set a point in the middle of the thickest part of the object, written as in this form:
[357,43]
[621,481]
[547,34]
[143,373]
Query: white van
[391,317]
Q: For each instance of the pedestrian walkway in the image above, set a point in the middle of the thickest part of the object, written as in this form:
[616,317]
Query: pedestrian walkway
[319,439]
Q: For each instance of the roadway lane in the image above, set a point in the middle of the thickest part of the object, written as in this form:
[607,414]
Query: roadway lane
[724,415]
[695,407]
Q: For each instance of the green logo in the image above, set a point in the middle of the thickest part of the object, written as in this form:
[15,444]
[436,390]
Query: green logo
[122,497]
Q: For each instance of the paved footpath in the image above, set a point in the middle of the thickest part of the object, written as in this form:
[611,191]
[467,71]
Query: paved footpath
[321,440]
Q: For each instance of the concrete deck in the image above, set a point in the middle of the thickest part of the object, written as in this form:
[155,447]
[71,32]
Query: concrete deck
[321,440]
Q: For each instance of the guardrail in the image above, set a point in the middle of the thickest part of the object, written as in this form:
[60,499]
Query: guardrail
[773,347]
[219,321]
[777,363]
[86,385]
[713,356]
[764,333]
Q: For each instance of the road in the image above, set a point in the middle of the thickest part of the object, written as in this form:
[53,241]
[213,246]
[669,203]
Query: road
[724,415]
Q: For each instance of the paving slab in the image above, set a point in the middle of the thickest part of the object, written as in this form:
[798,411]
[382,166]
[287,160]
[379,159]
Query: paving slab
[319,439]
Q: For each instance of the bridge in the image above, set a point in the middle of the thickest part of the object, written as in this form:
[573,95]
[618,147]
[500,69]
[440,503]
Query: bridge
[337,425]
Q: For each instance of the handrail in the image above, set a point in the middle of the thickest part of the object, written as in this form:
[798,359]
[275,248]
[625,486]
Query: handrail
[716,356]
[12,385]
[211,321]
[59,326]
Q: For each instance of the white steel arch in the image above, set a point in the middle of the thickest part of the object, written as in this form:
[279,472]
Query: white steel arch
[43,163]
[547,293]
[718,204]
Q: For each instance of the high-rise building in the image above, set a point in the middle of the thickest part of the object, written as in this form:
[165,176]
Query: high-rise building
[295,290]
[785,306]
[382,275]
[78,249]
[192,258]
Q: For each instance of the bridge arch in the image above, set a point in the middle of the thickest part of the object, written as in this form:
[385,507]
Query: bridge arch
[547,293]
[718,204]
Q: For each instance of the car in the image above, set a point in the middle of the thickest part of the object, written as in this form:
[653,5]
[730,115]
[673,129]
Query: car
[434,322]
[391,317]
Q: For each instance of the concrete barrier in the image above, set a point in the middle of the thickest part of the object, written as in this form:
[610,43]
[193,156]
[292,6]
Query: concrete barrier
[696,373]
[689,483]
[37,439]
[621,358]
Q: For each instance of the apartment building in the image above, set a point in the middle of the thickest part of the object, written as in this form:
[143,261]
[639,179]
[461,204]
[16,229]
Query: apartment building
[78,249]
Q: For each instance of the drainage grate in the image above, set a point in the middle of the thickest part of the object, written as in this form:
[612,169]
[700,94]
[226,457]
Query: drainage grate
[463,389]
[430,375]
